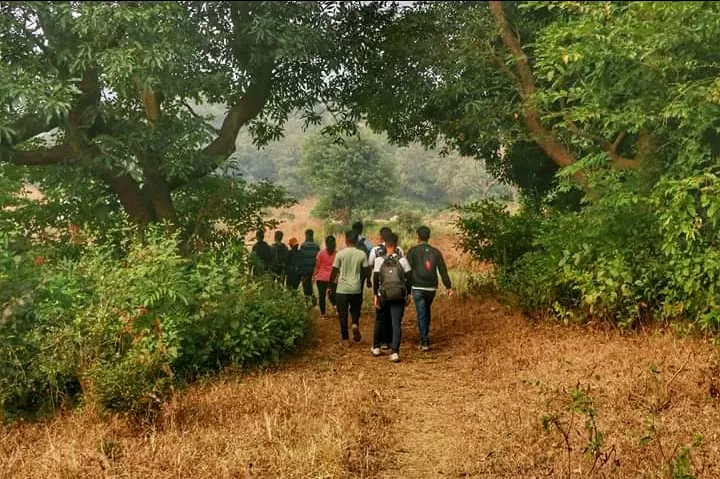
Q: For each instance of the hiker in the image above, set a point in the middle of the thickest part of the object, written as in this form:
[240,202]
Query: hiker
[380,313]
[349,271]
[261,255]
[391,292]
[363,243]
[280,255]
[308,252]
[293,264]
[323,271]
[426,262]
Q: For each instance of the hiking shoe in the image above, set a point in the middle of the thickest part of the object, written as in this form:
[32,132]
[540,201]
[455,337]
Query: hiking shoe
[424,348]
[356,333]
[345,343]
[395,357]
[385,347]
[375,351]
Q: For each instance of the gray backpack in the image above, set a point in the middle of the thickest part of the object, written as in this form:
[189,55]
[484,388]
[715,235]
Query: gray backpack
[392,279]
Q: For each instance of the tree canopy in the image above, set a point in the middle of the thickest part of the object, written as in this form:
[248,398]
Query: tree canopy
[111,88]
[348,173]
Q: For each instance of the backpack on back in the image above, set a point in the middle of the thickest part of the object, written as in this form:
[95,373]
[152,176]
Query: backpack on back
[392,279]
[362,245]
[428,263]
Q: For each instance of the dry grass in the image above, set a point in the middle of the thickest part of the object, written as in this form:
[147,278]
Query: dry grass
[470,408]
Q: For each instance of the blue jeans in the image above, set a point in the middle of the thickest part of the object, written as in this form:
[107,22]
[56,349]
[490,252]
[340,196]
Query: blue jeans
[423,301]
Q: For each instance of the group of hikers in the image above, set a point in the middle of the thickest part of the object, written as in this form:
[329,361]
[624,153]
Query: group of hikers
[340,277]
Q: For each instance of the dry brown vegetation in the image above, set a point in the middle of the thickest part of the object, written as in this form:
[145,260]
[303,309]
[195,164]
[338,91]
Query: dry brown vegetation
[472,407]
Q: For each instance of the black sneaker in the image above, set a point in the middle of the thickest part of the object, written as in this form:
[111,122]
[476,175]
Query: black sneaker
[356,333]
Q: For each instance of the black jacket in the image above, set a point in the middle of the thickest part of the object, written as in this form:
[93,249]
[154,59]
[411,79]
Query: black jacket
[308,253]
[263,258]
[280,254]
[425,277]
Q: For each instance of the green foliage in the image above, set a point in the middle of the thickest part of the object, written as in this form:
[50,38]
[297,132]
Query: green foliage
[491,233]
[120,331]
[348,173]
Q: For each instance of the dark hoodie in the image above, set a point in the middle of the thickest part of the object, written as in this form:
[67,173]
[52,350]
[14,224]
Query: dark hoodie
[308,253]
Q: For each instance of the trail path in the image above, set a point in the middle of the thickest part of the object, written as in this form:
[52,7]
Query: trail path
[472,406]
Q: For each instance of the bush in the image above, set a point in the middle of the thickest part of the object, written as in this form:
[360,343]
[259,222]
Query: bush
[121,331]
[633,252]
[491,233]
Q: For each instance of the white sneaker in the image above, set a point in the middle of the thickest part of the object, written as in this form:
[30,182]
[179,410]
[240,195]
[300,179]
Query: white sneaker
[395,357]
[375,351]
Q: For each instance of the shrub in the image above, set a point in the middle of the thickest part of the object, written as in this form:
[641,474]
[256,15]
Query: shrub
[122,331]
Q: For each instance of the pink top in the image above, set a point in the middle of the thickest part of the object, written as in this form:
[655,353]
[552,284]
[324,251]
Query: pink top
[323,265]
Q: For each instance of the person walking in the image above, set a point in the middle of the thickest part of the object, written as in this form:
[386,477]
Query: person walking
[426,262]
[362,242]
[261,255]
[308,252]
[349,271]
[280,255]
[380,313]
[293,264]
[391,291]
[323,271]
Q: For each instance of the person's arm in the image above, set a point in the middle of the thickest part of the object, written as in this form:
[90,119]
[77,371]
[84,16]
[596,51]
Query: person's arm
[407,273]
[317,265]
[442,269]
[365,272]
[371,262]
[335,271]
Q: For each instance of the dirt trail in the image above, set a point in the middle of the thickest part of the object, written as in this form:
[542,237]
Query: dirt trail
[472,407]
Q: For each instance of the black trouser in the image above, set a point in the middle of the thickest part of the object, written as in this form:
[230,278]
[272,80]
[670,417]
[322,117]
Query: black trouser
[343,303]
[308,287]
[383,324]
[293,281]
[393,314]
[323,287]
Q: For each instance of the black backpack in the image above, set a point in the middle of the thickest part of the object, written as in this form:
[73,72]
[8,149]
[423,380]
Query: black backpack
[392,279]
[428,264]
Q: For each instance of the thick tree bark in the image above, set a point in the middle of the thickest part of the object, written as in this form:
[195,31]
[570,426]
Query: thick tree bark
[133,201]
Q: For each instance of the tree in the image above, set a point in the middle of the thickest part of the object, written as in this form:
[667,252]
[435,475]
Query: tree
[348,173]
[111,86]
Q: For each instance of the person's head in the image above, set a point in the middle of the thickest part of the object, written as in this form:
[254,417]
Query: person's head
[278,236]
[309,235]
[391,242]
[330,244]
[293,242]
[385,233]
[423,233]
[351,238]
[357,228]
[260,235]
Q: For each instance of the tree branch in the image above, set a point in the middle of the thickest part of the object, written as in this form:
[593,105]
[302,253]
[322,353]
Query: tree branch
[206,124]
[619,162]
[52,156]
[247,108]
[546,140]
